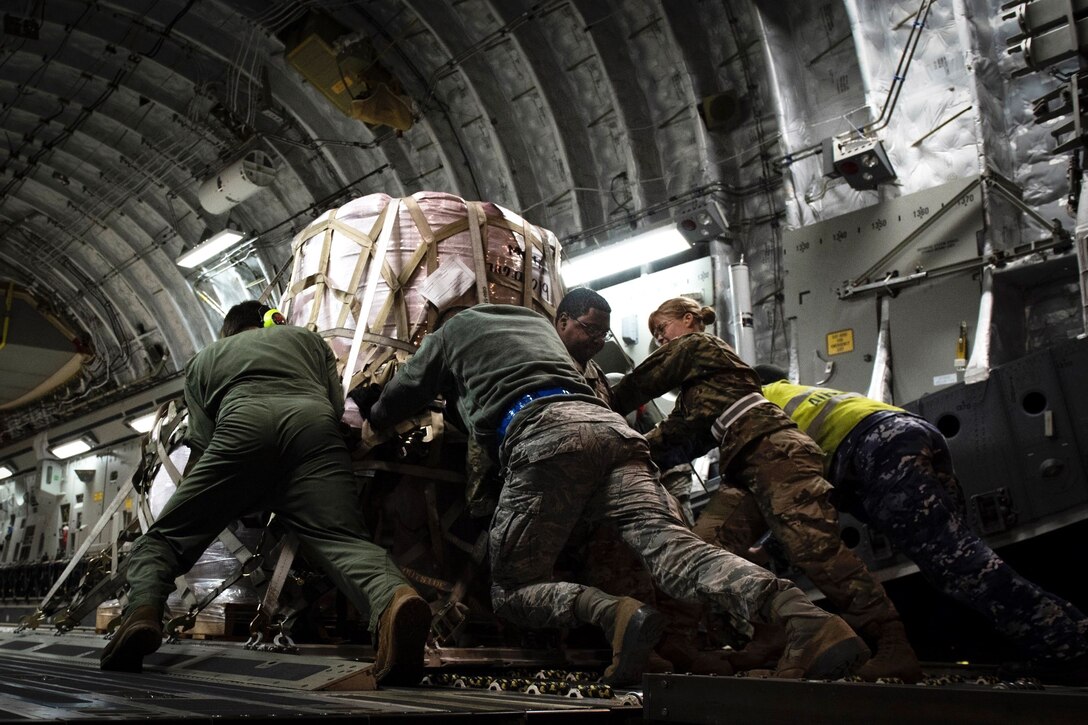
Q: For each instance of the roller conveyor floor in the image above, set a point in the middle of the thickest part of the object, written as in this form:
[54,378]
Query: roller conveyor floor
[44,677]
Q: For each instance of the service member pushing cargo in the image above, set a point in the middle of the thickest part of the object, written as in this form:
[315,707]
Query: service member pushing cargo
[893,470]
[583,320]
[762,451]
[567,457]
[264,408]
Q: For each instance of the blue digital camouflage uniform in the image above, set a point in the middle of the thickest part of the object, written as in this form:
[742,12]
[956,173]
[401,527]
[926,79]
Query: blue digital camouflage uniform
[894,472]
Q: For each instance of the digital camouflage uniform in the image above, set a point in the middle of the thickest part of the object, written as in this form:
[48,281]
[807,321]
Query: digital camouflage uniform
[566,457]
[612,566]
[762,452]
[598,381]
[264,410]
[676,479]
[893,471]
[602,558]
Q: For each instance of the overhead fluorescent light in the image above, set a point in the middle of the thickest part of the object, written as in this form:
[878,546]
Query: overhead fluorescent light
[73,447]
[627,254]
[142,423]
[6,471]
[211,247]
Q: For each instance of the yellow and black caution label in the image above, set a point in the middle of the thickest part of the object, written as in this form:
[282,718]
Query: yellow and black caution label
[840,341]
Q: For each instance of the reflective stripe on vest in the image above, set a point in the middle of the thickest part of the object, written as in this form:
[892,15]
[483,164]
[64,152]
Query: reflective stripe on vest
[795,402]
[735,411]
[815,427]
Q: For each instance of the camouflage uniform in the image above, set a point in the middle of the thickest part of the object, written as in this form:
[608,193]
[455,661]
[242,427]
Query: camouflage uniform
[895,474]
[612,566]
[598,380]
[762,452]
[677,481]
[601,557]
[568,460]
[565,457]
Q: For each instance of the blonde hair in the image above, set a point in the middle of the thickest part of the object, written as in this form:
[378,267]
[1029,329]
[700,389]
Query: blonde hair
[677,307]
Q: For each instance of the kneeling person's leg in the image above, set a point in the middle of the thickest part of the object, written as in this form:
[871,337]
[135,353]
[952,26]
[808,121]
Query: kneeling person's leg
[540,502]
[818,644]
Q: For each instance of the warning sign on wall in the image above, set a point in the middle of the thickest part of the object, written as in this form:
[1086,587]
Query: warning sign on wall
[840,341]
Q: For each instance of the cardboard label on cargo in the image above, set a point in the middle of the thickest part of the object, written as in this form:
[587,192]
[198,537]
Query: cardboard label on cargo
[840,341]
[451,280]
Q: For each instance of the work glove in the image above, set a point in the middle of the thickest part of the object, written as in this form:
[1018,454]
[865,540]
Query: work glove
[365,396]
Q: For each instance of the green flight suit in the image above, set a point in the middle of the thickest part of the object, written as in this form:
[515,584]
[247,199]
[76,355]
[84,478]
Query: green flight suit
[264,409]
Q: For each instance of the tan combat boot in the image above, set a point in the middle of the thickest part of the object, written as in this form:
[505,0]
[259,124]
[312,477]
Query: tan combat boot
[139,635]
[894,657]
[402,634]
[765,648]
[635,632]
[819,645]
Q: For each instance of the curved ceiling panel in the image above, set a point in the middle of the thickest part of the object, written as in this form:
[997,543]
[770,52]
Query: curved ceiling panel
[581,114]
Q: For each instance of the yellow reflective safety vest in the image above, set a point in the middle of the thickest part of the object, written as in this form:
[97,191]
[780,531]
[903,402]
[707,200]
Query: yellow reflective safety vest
[826,415]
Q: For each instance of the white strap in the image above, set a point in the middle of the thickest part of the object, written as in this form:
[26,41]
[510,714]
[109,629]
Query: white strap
[377,260]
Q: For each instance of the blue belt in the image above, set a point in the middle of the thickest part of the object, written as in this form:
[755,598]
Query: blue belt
[522,402]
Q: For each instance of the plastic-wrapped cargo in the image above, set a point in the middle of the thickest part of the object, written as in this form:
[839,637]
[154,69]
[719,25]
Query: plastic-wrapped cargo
[399,263]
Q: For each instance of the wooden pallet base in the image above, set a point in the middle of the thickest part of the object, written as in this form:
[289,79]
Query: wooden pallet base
[222,621]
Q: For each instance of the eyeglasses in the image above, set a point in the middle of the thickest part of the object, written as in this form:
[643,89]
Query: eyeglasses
[659,331]
[594,332]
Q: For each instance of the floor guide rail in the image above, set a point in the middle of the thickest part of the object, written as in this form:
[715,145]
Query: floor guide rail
[693,699]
